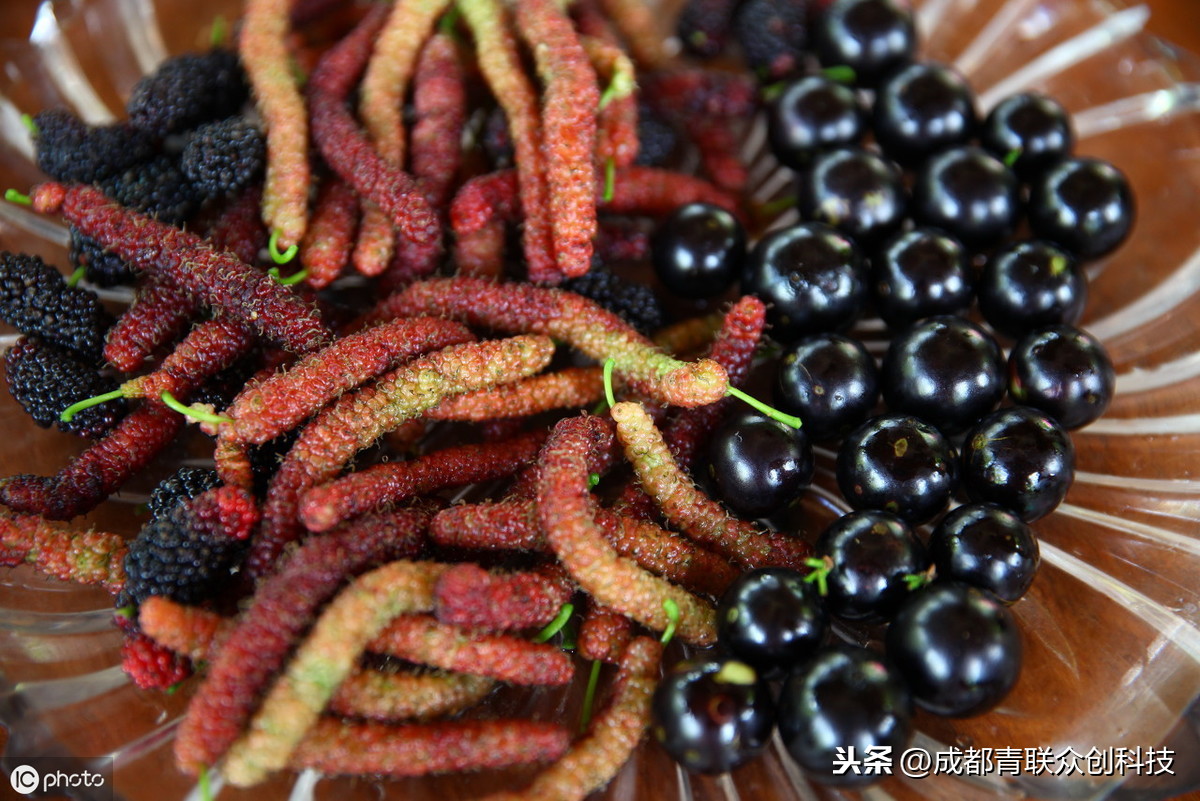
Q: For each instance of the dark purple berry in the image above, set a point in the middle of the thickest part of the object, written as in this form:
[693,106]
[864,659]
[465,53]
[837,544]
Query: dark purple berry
[712,715]
[844,700]
[1029,132]
[855,190]
[872,37]
[698,251]
[921,109]
[957,648]
[1020,459]
[988,547]
[898,464]
[810,114]
[920,273]
[811,278]
[1064,372]
[1083,204]
[758,465]
[1031,284]
[772,619]
[830,382]
[872,553]
[945,370]
[969,193]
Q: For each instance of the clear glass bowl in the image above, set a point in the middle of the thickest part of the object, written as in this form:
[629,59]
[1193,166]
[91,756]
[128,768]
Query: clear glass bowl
[1110,626]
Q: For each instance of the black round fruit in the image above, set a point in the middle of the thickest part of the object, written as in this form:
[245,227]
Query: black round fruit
[771,618]
[812,113]
[1064,372]
[712,715]
[1020,459]
[858,192]
[873,37]
[1030,284]
[921,109]
[968,192]
[957,647]
[811,278]
[698,251]
[1083,204]
[758,465]
[988,547]
[899,464]
[871,553]
[830,381]
[844,698]
[920,273]
[1029,132]
[944,370]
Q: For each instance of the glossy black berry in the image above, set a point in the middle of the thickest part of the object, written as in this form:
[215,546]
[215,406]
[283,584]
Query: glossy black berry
[855,190]
[698,251]
[871,553]
[812,113]
[1064,372]
[922,109]
[844,698]
[957,647]
[945,370]
[969,193]
[1031,284]
[920,273]
[712,715]
[988,547]
[771,618]
[1083,204]
[898,464]
[758,465]
[811,277]
[830,382]
[1029,132]
[1020,459]
[873,37]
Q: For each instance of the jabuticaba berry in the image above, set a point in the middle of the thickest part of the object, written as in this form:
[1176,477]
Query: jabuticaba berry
[222,158]
[157,188]
[35,299]
[175,558]
[187,90]
[181,486]
[101,267]
[635,303]
[46,379]
[70,150]
[872,37]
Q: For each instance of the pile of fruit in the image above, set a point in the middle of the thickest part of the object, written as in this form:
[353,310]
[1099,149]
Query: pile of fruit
[372,230]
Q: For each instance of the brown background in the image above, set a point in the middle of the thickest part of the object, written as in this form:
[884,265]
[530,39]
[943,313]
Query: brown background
[1176,20]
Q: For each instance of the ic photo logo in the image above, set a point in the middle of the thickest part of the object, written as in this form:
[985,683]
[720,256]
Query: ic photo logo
[25,779]
[84,779]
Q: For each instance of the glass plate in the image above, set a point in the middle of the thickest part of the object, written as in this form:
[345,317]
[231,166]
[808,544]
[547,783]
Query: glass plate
[1110,626]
